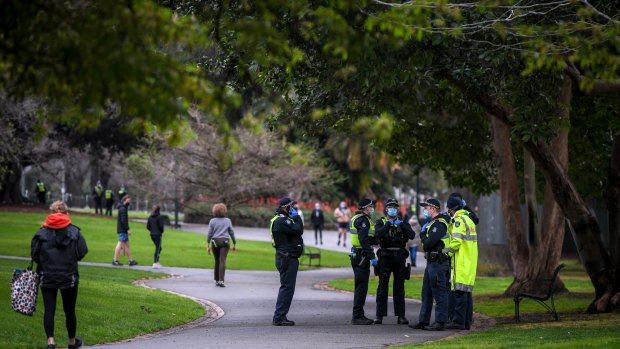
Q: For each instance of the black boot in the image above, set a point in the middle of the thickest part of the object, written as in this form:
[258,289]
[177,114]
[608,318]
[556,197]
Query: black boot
[361,321]
[378,320]
[401,320]
[437,326]
[418,325]
[284,322]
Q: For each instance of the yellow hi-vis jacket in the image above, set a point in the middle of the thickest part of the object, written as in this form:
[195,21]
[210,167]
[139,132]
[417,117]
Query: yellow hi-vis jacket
[464,251]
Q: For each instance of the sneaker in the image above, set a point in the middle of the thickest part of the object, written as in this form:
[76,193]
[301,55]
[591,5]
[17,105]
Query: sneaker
[78,343]
[378,320]
[437,326]
[132,262]
[222,284]
[155,266]
[117,263]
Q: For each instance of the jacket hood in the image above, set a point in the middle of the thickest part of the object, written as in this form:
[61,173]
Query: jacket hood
[57,221]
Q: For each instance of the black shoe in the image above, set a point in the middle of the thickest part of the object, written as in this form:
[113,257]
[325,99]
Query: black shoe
[362,321]
[284,322]
[418,325]
[338,242]
[117,263]
[378,320]
[78,343]
[454,326]
[437,326]
[401,320]
[133,263]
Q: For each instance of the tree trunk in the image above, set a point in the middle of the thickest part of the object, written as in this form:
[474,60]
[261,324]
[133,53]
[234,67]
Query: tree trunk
[10,192]
[613,209]
[509,193]
[529,186]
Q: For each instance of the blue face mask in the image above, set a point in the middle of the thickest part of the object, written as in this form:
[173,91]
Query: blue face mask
[392,211]
[427,215]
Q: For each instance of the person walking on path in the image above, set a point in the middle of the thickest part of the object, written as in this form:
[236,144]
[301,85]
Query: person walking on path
[392,235]
[220,234]
[155,225]
[343,217]
[412,245]
[109,201]
[362,255]
[463,248]
[98,197]
[318,220]
[41,191]
[286,235]
[435,238]
[56,248]
[122,227]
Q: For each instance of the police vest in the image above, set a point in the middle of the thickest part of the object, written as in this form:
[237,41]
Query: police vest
[395,236]
[355,240]
[41,187]
[464,249]
[273,242]
[446,238]
[108,194]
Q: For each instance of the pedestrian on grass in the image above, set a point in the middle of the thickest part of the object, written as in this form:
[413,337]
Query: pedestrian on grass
[56,248]
[155,226]
[220,234]
[98,197]
[122,227]
[41,190]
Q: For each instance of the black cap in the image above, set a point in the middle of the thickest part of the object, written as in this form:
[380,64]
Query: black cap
[432,203]
[391,202]
[365,202]
[285,202]
[453,203]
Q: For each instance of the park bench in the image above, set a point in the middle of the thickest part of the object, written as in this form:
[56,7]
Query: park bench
[542,299]
[309,254]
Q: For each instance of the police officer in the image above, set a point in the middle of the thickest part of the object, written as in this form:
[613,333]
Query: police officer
[286,229]
[463,249]
[472,215]
[362,255]
[435,238]
[108,195]
[41,191]
[98,196]
[391,233]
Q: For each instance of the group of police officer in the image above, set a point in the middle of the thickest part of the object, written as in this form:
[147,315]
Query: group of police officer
[451,250]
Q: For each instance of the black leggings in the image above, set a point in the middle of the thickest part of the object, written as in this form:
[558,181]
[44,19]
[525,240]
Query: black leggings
[69,298]
[157,241]
[219,253]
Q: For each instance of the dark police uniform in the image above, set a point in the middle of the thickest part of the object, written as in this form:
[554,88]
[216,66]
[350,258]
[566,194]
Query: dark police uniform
[98,196]
[109,201]
[286,239]
[392,238]
[362,238]
[435,237]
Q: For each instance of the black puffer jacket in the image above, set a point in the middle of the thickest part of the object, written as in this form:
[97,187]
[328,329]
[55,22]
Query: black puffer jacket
[122,225]
[155,224]
[57,253]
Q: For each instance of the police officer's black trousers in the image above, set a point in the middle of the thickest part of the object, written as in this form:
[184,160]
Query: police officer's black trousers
[98,206]
[391,263]
[288,277]
[108,207]
[435,286]
[361,274]
[463,308]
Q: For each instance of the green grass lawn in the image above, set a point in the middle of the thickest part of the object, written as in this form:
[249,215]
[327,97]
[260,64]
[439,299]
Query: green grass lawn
[109,308]
[180,249]
[575,330]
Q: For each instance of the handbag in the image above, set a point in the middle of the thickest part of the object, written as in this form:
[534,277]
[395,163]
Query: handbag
[24,290]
